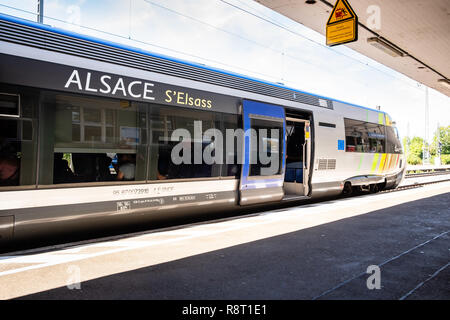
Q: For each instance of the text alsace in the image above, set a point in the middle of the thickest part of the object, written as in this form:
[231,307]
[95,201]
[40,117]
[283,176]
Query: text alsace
[109,85]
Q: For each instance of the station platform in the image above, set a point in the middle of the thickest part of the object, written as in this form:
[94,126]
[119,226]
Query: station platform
[314,251]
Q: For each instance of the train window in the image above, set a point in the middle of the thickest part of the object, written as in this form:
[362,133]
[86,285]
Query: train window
[376,139]
[17,143]
[266,146]
[9,104]
[92,140]
[183,144]
[355,136]
[363,136]
[393,144]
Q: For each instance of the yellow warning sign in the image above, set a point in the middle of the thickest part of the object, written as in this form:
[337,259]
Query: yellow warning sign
[342,25]
[341,11]
[340,33]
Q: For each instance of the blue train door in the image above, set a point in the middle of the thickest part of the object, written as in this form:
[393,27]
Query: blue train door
[262,173]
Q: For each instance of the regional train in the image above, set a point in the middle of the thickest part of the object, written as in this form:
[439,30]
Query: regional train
[89,130]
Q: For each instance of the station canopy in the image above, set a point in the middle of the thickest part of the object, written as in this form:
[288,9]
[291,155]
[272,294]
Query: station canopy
[411,37]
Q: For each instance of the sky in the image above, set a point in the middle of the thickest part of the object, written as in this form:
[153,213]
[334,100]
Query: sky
[245,37]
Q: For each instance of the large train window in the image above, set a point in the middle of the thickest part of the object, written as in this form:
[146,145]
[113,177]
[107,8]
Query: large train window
[393,144]
[90,139]
[17,142]
[266,146]
[184,143]
[363,136]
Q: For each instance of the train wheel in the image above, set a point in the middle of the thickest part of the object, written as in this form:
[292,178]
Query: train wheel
[348,190]
[374,188]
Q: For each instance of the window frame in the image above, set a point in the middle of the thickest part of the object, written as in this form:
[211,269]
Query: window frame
[18,115]
[365,134]
[28,161]
[277,123]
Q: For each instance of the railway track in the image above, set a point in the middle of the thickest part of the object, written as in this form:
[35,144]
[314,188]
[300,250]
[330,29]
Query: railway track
[415,185]
[426,174]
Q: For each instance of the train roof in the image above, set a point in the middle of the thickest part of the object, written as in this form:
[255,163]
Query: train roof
[46,28]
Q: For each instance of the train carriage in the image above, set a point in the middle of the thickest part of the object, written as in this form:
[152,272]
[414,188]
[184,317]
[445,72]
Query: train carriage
[88,130]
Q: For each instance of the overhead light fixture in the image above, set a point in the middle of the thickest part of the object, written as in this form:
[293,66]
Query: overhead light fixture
[310,1]
[445,83]
[386,47]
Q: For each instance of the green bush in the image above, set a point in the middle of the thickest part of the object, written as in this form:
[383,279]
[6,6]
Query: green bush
[414,159]
[445,158]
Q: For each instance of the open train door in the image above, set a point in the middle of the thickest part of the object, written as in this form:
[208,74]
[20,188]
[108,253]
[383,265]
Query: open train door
[262,173]
[298,158]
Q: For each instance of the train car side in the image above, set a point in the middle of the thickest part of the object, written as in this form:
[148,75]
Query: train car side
[76,115]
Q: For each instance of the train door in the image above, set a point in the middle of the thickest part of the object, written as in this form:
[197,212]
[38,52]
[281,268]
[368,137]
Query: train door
[298,155]
[262,172]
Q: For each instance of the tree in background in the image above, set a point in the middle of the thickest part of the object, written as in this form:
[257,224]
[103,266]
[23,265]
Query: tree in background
[444,138]
[414,147]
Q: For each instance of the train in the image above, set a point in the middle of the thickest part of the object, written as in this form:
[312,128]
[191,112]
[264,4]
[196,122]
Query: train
[96,134]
